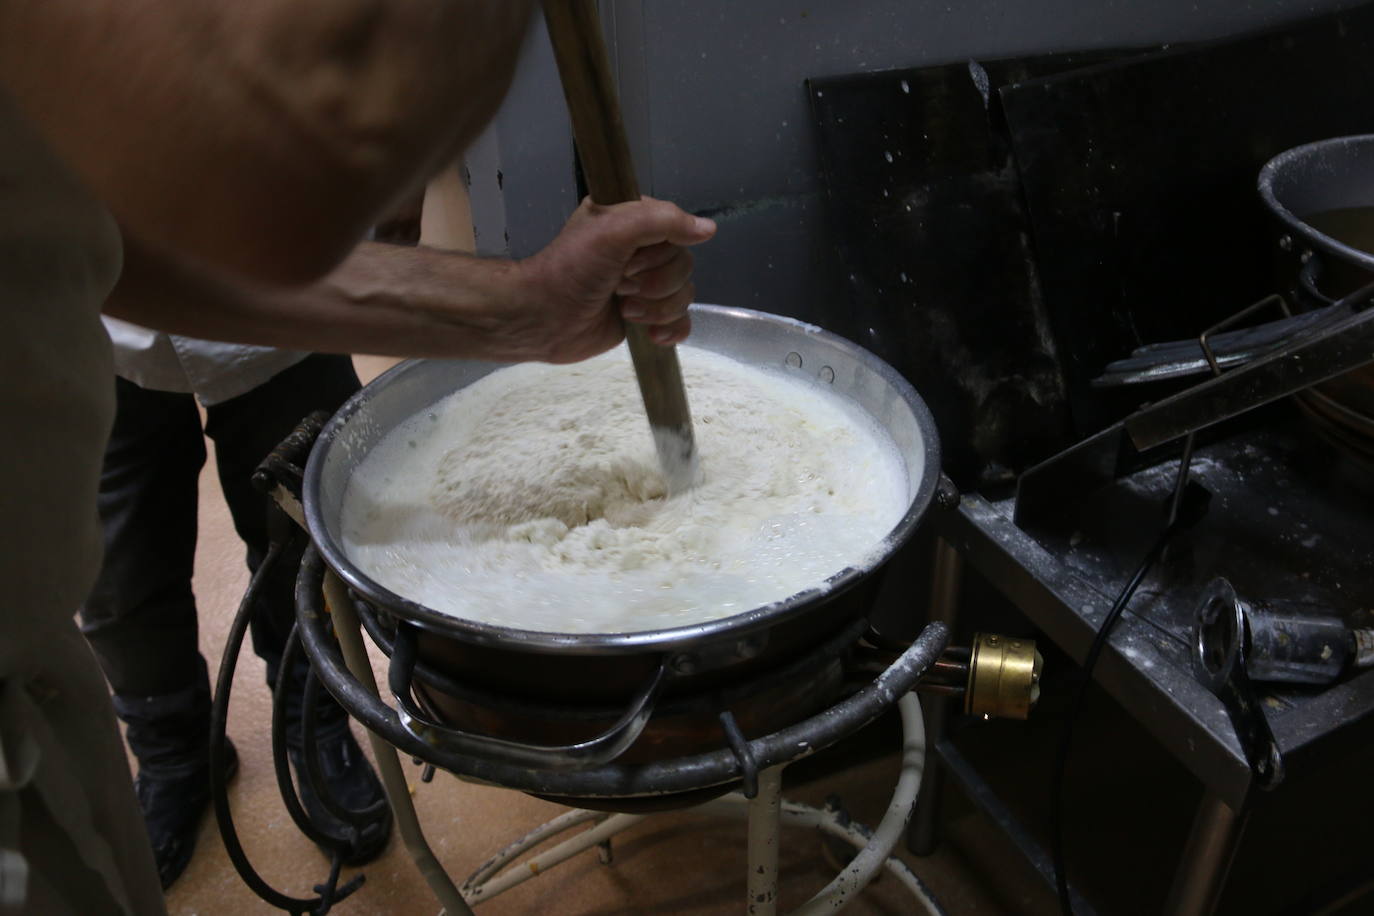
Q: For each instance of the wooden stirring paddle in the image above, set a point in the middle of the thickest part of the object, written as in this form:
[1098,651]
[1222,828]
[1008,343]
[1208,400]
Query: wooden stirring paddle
[585,72]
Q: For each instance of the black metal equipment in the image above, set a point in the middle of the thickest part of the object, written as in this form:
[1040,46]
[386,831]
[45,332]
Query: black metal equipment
[1289,528]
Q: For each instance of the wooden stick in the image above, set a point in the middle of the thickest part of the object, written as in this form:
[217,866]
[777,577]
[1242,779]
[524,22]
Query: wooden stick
[585,72]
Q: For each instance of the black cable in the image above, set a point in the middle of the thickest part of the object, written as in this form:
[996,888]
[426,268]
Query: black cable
[310,753]
[1192,507]
[330,893]
[294,807]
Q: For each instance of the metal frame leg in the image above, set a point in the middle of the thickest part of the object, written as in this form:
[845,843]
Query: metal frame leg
[946,584]
[1206,859]
[765,823]
[349,633]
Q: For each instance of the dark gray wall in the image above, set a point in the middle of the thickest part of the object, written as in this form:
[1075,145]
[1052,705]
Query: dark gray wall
[521,176]
[715,104]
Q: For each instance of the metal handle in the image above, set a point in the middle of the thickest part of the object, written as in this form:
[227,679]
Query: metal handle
[1309,276]
[604,152]
[285,464]
[1219,660]
[947,495]
[593,752]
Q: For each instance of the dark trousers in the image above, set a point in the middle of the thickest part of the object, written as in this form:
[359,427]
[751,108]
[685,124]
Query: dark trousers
[141,617]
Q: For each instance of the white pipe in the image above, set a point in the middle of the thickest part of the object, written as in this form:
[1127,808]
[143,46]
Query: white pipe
[565,821]
[518,874]
[871,857]
[795,814]
[764,823]
[855,836]
[876,848]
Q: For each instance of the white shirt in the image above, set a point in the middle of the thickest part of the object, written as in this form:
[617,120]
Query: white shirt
[213,371]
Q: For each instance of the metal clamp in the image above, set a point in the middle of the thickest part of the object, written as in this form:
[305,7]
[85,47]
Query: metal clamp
[1204,339]
[1219,658]
[749,767]
[593,752]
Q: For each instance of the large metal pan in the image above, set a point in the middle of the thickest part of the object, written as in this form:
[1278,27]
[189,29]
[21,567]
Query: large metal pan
[1301,186]
[1333,174]
[625,672]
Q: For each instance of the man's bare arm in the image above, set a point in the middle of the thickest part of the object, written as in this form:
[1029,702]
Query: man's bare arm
[261,137]
[387,299]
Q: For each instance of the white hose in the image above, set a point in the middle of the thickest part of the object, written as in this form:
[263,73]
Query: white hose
[565,821]
[875,849]
[875,854]
[532,868]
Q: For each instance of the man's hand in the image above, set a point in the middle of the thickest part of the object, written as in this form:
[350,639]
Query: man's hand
[626,261]
[564,304]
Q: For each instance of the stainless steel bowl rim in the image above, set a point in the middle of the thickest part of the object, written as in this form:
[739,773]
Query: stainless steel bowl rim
[1285,160]
[669,639]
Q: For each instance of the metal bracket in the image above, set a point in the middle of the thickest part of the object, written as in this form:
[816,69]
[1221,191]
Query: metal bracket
[749,767]
[1219,659]
[281,474]
[1333,349]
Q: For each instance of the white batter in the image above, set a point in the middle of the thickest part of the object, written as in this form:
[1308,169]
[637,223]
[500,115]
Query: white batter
[533,499]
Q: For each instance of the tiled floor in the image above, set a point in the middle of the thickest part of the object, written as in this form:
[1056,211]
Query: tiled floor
[674,863]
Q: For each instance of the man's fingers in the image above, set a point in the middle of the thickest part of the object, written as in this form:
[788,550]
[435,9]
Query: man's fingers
[651,257]
[669,334]
[644,223]
[661,280]
[662,311]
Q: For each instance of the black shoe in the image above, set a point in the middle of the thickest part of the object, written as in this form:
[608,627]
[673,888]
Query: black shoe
[174,799]
[352,785]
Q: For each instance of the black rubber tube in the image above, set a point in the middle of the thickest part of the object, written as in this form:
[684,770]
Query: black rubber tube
[281,766]
[310,751]
[219,790]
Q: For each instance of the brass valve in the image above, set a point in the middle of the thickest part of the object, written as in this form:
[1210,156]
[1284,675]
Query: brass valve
[1004,676]
[996,676]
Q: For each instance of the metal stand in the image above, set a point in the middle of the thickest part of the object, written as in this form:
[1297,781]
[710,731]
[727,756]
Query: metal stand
[765,814]
[1217,828]
[947,581]
[1206,859]
[349,633]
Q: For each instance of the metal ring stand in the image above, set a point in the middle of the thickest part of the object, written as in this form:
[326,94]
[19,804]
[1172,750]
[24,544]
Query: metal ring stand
[765,814]
[345,670]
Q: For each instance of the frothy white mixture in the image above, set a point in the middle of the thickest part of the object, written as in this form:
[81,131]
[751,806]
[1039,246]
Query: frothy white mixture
[533,499]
